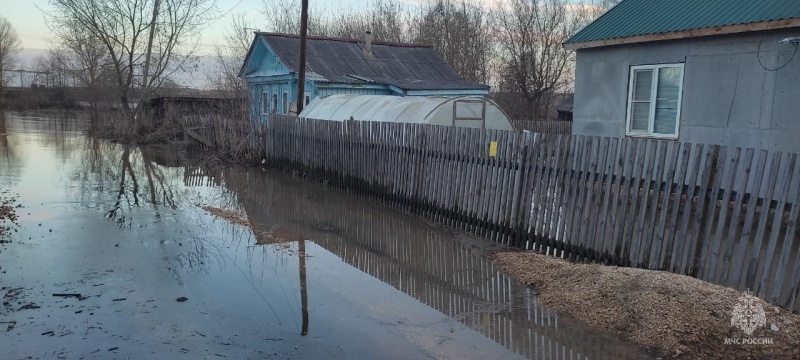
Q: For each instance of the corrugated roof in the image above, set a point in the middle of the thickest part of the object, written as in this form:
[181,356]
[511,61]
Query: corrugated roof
[566,103]
[406,66]
[645,17]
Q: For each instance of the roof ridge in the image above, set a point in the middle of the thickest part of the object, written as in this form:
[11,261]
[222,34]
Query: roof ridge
[349,40]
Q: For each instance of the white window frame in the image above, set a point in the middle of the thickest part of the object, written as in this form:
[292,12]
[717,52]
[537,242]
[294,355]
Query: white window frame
[653,99]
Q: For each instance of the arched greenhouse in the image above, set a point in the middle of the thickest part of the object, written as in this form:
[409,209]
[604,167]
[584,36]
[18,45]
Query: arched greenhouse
[462,111]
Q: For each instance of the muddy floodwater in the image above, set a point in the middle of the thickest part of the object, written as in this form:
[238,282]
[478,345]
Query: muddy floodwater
[111,236]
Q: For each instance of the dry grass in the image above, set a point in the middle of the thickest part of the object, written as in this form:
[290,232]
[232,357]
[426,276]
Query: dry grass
[230,216]
[681,316]
[274,235]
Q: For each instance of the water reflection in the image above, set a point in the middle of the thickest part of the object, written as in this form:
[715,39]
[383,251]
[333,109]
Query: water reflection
[420,260]
[8,157]
[121,178]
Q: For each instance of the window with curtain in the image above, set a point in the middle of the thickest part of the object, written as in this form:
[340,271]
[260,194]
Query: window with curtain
[654,100]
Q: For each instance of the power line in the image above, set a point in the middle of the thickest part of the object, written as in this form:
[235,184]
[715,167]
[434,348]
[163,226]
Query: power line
[225,13]
[758,56]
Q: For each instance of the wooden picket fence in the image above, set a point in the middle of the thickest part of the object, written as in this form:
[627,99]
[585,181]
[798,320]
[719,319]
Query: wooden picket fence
[725,215]
[543,126]
[236,139]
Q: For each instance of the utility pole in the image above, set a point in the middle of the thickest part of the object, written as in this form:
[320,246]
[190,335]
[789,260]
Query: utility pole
[149,47]
[301,72]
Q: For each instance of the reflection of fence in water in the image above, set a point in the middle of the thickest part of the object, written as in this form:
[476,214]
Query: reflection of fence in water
[200,176]
[725,215]
[420,261]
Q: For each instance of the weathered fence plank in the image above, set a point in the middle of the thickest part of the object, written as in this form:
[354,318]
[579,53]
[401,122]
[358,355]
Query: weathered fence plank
[588,167]
[737,210]
[709,259]
[788,241]
[783,193]
[633,189]
[661,202]
[762,222]
[647,176]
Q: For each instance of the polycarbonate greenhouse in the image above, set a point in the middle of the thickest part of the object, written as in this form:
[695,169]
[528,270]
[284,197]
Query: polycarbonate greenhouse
[462,111]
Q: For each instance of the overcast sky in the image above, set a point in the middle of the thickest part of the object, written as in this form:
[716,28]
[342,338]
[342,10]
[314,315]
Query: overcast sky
[32,29]
[28,20]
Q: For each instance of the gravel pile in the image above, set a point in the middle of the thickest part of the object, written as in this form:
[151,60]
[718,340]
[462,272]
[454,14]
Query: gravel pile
[680,316]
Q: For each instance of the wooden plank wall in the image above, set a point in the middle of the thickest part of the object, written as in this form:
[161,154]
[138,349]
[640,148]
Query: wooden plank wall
[725,215]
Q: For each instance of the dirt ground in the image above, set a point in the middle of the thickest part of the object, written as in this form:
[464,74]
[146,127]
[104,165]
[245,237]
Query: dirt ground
[8,215]
[680,316]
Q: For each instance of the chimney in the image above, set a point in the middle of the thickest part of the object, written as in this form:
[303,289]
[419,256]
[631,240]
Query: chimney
[368,44]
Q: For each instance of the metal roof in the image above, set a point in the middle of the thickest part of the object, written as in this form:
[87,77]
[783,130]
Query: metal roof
[566,103]
[645,17]
[406,66]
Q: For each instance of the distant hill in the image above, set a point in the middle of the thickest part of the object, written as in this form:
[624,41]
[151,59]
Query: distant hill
[195,77]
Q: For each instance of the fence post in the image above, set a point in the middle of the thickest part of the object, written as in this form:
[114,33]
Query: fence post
[519,189]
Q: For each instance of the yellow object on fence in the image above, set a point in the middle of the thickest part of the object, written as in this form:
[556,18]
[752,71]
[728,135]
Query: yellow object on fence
[493,148]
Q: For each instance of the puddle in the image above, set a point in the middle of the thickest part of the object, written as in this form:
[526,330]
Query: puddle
[322,273]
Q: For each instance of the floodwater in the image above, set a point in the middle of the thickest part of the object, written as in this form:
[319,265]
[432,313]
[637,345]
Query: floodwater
[323,275]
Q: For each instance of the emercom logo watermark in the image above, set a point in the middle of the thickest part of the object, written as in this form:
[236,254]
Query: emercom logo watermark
[748,315]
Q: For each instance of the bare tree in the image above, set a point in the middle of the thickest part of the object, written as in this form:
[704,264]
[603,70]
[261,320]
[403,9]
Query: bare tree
[387,19]
[283,16]
[123,28]
[229,57]
[533,65]
[460,33]
[9,48]
[230,54]
[80,60]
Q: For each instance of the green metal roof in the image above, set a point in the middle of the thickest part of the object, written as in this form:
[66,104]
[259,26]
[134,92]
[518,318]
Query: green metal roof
[645,17]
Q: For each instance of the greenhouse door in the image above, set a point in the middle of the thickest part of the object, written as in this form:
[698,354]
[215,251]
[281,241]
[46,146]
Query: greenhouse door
[469,113]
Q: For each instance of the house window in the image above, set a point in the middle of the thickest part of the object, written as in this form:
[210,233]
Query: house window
[285,103]
[654,100]
[307,100]
[274,103]
[264,104]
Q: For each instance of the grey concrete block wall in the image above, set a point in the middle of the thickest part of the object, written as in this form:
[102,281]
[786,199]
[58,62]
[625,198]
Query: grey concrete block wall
[728,97]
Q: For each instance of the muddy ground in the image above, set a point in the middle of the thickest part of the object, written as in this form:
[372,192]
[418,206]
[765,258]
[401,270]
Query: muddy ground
[681,316]
[8,213]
